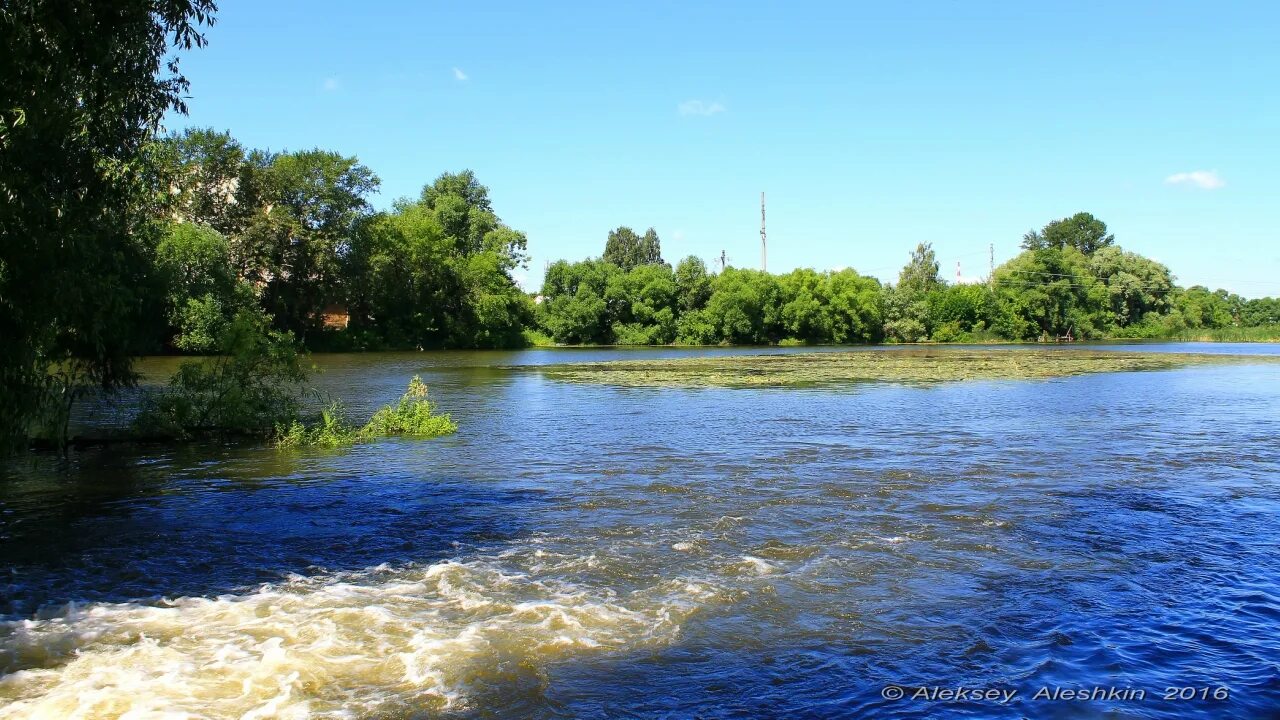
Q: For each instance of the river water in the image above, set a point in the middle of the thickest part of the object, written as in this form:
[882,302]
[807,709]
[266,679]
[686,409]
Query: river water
[598,552]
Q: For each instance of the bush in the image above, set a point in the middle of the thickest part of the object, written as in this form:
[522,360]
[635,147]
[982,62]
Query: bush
[331,431]
[537,338]
[412,416]
[252,387]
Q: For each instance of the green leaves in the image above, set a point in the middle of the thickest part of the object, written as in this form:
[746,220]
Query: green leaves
[628,250]
[253,386]
[413,416]
[83,86]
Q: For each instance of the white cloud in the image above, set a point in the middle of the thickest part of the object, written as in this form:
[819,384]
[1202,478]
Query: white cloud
[698,107]
[459,75]
[1203,179]
[330,84]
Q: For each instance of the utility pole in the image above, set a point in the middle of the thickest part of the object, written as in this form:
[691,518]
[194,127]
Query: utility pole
[722,262]
[764,251]
[991,264]
[958,272]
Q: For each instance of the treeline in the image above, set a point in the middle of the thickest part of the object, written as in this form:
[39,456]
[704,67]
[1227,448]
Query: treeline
[292,235]
[1071,279]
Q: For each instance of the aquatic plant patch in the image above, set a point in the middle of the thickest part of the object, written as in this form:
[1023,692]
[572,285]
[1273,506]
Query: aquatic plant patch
[910,366]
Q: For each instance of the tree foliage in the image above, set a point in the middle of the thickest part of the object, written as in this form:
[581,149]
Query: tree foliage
[1082,232]
[253,385]
[83,87]
[595,301]
[628,250]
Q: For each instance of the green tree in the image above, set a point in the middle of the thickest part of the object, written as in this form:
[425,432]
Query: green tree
[1081,231]
[693,284]
[1200,307]
[856,307]
[920,274]
[315,199]
[805,310]
[643,304]
[202,292]
[1051,292]
[744,307]
[906,307]
[906,315]
[401,288]
[83,87]
[573,309]
[1261,311]
[955,311]
[1136,286]
[436,272]
[205,178]
[627,250]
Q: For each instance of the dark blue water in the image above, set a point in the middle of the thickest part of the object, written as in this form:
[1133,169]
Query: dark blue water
[588,551]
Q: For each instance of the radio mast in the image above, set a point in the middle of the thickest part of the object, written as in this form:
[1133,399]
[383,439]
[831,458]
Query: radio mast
[764,249]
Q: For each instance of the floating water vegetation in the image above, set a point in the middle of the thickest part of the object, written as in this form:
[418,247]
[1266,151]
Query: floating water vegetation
[412,416]
[912,366]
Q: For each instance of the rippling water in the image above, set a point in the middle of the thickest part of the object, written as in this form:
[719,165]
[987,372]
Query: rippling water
[587,551]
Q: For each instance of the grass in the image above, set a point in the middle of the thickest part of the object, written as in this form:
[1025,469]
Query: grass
[1229,334]
[915,365]
[412,416]
[537,338]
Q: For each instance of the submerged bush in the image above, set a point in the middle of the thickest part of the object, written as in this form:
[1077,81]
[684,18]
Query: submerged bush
[412,416]
[331,431]
[251,388]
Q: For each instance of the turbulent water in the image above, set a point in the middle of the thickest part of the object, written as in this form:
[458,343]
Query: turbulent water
[600,552]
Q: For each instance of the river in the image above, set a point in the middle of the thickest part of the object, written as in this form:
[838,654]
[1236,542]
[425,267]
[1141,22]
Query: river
[598,552]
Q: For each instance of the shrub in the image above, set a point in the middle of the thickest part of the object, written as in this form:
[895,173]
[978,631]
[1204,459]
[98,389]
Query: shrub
[412,416]
[332,431]
[251,388]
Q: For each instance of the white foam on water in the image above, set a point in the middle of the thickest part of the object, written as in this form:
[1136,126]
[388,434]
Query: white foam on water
[384,640]
[757,565]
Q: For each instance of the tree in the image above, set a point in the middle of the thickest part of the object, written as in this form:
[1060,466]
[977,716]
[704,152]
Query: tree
[202,174]
[436,272]
[906,315]
[1136,286]
[744,307]
[315,200]
[1200,307]
[1261,311]
[1081,231]
[1052,291]
[202,293]
[643,305]
[693,284]
[805,303]
[920,274]
[856,307]
[956,310]
[83,87]
[573,309]
[398,277]
[906,309]
[627,250]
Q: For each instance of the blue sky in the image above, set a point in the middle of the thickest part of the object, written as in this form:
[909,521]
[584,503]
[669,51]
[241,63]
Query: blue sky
[872,127]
